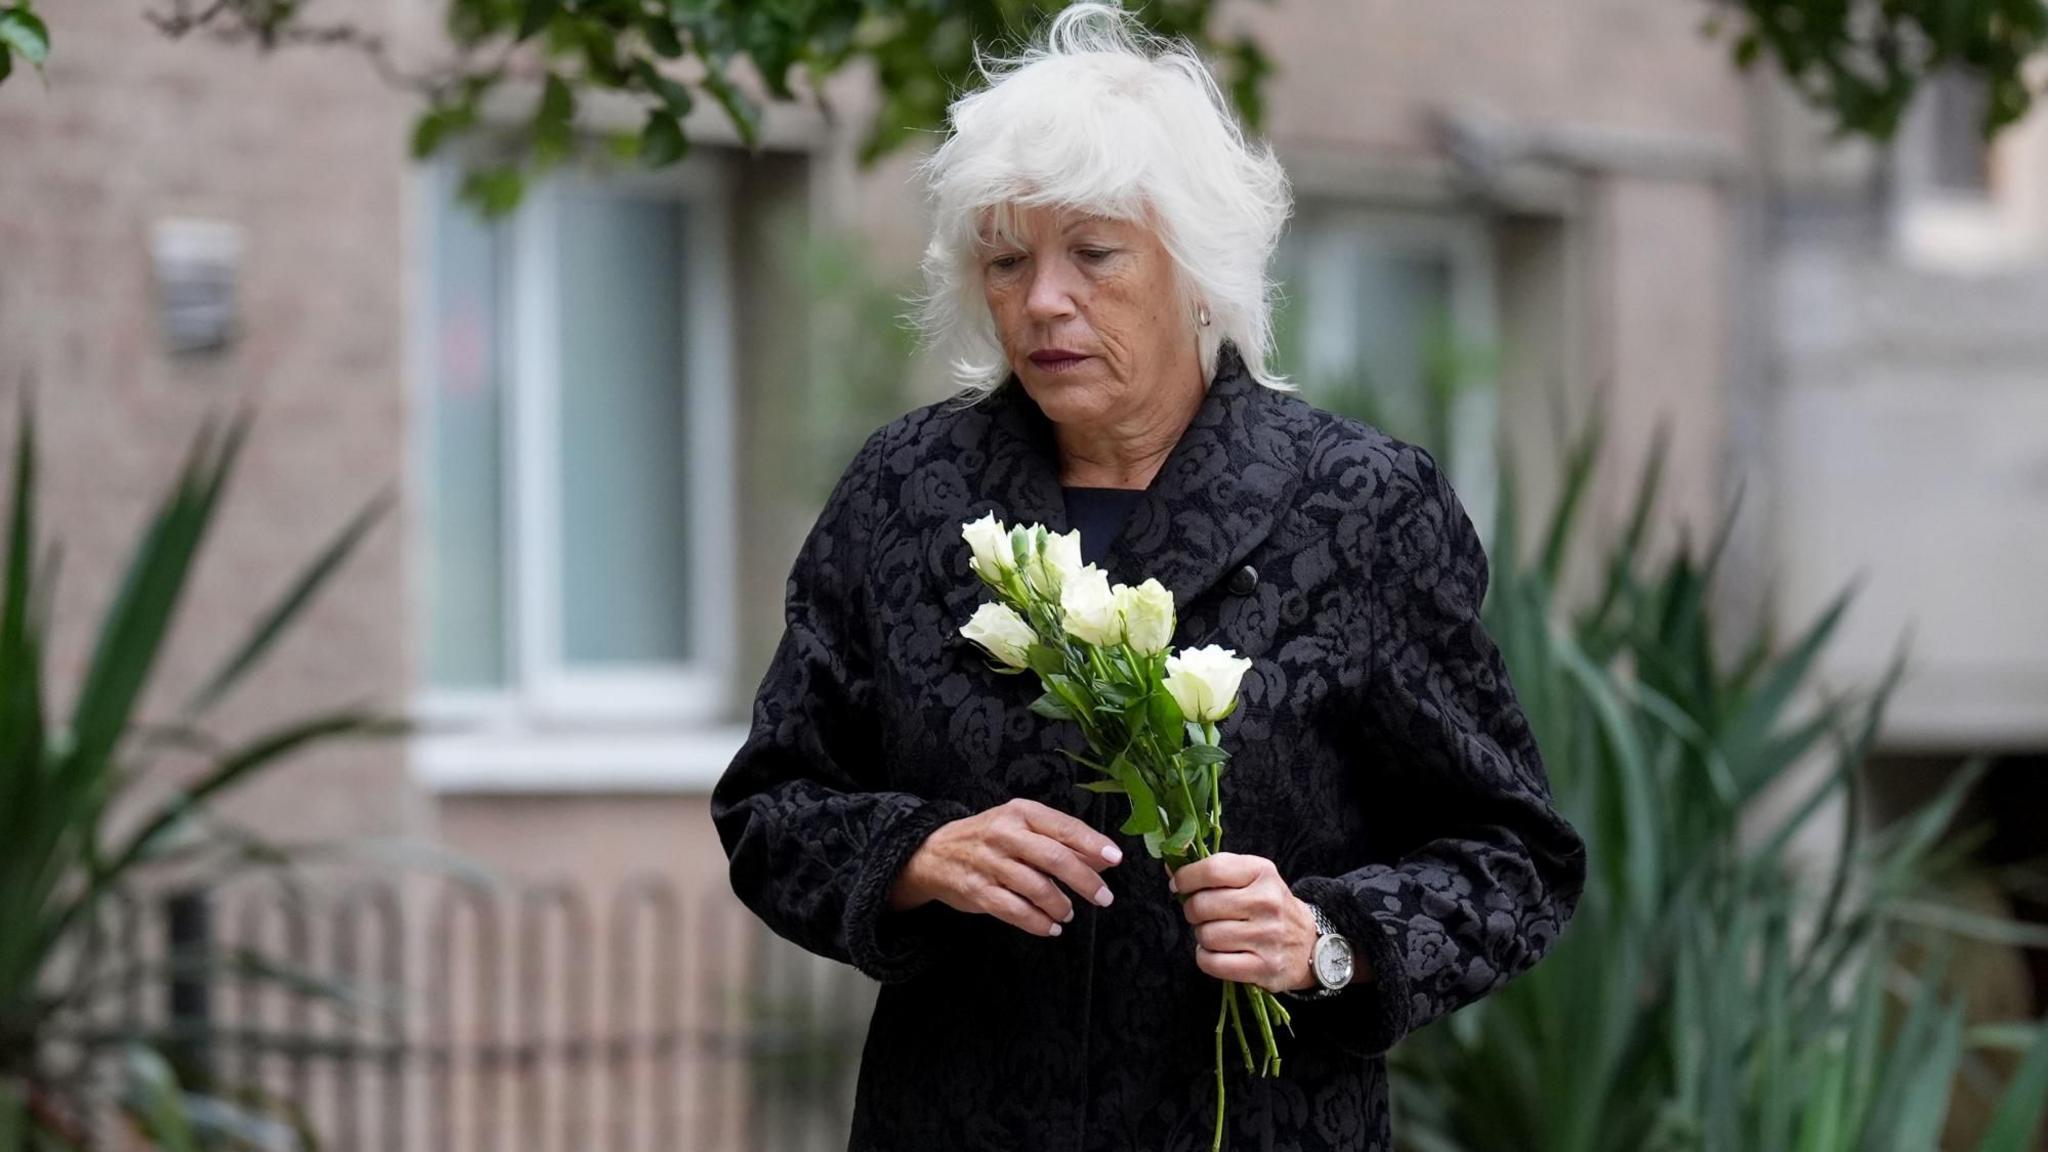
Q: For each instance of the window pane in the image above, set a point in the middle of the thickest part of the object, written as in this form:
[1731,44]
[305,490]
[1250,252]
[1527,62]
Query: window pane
[1962,157]
[1364,324]
[625,500]
[466,589]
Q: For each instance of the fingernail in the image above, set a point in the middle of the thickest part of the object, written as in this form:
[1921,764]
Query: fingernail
[1104,897]
[1055,929]
[1112,853]
[1171,886]
[1068,918]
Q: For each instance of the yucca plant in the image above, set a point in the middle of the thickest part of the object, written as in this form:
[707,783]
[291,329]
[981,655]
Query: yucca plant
[62,777]
[1712,992]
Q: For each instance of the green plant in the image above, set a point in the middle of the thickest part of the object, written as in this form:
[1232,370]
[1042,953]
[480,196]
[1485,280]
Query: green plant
[61,863]
[1710,992]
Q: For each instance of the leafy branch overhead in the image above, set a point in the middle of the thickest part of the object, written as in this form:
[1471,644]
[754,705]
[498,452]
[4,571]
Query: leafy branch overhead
[1863,61]
[1860,61]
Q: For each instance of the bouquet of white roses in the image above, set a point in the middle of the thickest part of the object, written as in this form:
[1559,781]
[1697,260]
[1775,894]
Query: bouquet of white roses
[1149,714]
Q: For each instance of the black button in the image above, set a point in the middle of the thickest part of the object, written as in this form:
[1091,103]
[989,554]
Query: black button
[1244,580]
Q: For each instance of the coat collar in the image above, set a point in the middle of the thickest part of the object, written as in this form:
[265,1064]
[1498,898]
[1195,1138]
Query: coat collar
[1223,487]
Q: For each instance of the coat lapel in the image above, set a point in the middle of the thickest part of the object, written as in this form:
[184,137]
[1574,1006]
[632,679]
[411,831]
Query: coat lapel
[1220,492]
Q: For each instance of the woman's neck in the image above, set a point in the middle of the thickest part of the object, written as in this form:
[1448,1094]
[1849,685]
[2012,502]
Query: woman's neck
[1128,452]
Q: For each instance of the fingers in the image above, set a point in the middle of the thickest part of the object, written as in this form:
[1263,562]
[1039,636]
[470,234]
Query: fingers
[1015,910]
[1223,870]
[1037,888]
[1243,967]
[1099,850]
[1057,860]
[1213,904]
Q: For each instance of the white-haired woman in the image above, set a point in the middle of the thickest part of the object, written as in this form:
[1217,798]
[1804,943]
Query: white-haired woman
[1097,276]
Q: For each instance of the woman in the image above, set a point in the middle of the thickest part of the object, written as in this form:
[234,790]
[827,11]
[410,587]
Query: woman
[1102,233]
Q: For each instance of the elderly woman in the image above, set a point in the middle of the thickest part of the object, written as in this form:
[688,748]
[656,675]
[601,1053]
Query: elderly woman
[1393,853]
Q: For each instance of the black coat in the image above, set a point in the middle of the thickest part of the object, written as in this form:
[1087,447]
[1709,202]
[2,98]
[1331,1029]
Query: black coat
[1379,759]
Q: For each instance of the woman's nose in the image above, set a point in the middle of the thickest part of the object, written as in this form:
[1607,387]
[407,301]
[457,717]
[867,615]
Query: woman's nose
[1051,295]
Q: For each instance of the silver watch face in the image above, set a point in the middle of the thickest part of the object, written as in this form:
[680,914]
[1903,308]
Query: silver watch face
[1333,961]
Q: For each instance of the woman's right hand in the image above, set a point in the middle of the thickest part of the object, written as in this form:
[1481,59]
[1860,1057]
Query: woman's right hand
[1003,862]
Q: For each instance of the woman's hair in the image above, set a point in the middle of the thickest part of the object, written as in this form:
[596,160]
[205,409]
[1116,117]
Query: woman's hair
[1107,118]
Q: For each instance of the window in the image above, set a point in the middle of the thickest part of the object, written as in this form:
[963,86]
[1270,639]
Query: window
[1956,207]
[1961,157]
[575,588]
[1389,316]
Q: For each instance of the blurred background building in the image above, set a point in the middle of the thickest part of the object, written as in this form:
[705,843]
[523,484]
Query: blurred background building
[612,417]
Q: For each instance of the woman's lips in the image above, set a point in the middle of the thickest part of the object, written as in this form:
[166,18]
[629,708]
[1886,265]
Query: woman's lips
[1056,361]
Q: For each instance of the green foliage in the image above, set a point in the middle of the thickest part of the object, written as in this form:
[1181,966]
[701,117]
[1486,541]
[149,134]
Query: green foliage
[22,34]
[1862,62]
[663,56]
[1713,991]
[62,867]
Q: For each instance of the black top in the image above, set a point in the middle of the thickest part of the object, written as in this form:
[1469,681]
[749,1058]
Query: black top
[1098,513]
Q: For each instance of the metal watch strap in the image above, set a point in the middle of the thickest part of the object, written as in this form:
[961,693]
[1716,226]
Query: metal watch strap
[1323,928]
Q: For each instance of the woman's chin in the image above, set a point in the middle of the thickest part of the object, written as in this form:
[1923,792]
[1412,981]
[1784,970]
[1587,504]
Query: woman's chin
[1068,393]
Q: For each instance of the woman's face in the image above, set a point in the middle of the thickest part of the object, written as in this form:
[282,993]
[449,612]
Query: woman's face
[1087,310]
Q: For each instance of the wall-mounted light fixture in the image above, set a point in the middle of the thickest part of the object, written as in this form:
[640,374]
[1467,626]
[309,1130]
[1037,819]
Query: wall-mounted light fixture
[197,263]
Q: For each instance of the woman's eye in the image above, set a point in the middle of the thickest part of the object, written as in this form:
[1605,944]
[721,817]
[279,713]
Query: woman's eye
[1098,253]
[1004,263]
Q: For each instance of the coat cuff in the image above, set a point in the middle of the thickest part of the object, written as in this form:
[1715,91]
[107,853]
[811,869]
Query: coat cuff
[1371,1014]
[888,945]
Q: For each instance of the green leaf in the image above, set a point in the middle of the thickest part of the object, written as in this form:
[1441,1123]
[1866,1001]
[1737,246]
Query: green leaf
[271,624]
[21,30]
[1166,718]
[1046,660]
[1144,804]
[495,191]
[674,95]
[746,119]
[535,16]
[661,36]
[132,636]
[1110,787]
[1202,755]
[1050,706]
[159,1103]
[241,764]
[661,139]
[2018,1116]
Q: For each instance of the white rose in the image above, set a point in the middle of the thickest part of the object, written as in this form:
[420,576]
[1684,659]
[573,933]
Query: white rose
[989,540]
[1204,680]
[1061,558]
[1090,607]
[1148,615]
[1005,634]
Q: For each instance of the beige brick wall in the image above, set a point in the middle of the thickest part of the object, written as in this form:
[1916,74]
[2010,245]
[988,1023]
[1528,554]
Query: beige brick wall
[301,151]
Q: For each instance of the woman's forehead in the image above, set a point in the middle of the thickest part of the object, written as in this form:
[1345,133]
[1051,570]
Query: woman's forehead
[1010,220]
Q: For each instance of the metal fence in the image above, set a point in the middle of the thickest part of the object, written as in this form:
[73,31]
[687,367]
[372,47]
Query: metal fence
[461,1016]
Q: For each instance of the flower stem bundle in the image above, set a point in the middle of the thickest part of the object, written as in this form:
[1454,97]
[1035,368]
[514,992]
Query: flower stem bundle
[1149,714]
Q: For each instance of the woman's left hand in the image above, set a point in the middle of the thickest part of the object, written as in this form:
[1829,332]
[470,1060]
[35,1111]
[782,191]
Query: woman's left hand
[1249,925]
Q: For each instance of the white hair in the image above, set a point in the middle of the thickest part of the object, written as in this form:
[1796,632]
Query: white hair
[1109,119]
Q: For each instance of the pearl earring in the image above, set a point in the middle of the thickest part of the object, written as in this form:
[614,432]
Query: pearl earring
[1205,315]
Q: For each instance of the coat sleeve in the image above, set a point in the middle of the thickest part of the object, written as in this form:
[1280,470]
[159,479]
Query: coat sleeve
[1485,871]
[813,835]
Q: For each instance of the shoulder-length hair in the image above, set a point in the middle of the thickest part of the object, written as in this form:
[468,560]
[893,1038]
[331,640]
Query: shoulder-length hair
[1104,117]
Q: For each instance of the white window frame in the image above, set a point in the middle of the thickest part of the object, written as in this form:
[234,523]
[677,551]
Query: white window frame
[1468,242]
[1960,230]
[553,727]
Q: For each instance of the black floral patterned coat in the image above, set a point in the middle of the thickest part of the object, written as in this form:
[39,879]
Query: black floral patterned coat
[1380,759]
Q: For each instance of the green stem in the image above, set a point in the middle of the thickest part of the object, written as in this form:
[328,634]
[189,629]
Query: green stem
[1259,998]
[1217,1144]
[1244,1044]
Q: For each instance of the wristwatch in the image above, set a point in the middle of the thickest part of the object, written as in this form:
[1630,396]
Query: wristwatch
[1331,960]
